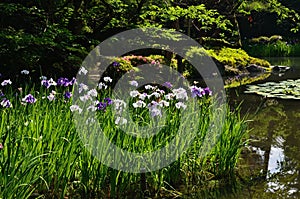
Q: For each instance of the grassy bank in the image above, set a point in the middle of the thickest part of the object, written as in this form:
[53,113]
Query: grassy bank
[271,47]
[43,156]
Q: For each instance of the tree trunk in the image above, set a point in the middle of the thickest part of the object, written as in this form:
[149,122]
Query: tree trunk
[76,23]
[239,42]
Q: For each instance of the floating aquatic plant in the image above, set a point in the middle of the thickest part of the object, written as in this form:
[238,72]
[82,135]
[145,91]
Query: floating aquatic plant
[288,89]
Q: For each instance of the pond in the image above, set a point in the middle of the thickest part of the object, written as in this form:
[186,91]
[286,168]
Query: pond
[272,159]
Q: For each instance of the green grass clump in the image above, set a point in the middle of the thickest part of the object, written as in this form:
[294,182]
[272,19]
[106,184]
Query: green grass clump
[272,46]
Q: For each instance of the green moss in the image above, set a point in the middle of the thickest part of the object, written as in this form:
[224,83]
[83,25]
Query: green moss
[232,61]
[260,62]
[236,58]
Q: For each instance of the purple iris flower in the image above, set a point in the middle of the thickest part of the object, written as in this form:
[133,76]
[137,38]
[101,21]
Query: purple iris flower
[48,83]
[237,77]
[196,91]
[29,99]
[6,82]
[101,106]
[116,64]
[5,103]
[45,83]
[73,81]
[206,91]
[168,85]
[63,81]
[108,100]
[68,95]
[1,94]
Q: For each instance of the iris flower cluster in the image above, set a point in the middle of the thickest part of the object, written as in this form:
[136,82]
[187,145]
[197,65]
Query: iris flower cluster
[4,102]
[62,81]
[151,97]
[91,95]
[154,98]
[29,98]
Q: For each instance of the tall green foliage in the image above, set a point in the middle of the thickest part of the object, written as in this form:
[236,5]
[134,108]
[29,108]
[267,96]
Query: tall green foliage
[57,35]
[284,14]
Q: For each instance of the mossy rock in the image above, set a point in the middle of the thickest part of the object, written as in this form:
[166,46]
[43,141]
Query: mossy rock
[230,61]
[260,62]
[237,58]
[265,40]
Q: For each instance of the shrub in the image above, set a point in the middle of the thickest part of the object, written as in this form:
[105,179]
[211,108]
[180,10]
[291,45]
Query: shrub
[51,52]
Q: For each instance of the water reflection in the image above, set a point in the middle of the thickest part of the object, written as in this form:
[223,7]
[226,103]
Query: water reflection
[276,157]
[275,139]
[272,161]
[269,166]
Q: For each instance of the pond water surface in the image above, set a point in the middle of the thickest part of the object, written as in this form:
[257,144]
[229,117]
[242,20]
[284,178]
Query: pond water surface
[272,160]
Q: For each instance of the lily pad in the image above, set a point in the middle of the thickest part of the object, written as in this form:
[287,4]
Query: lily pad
[289,89]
